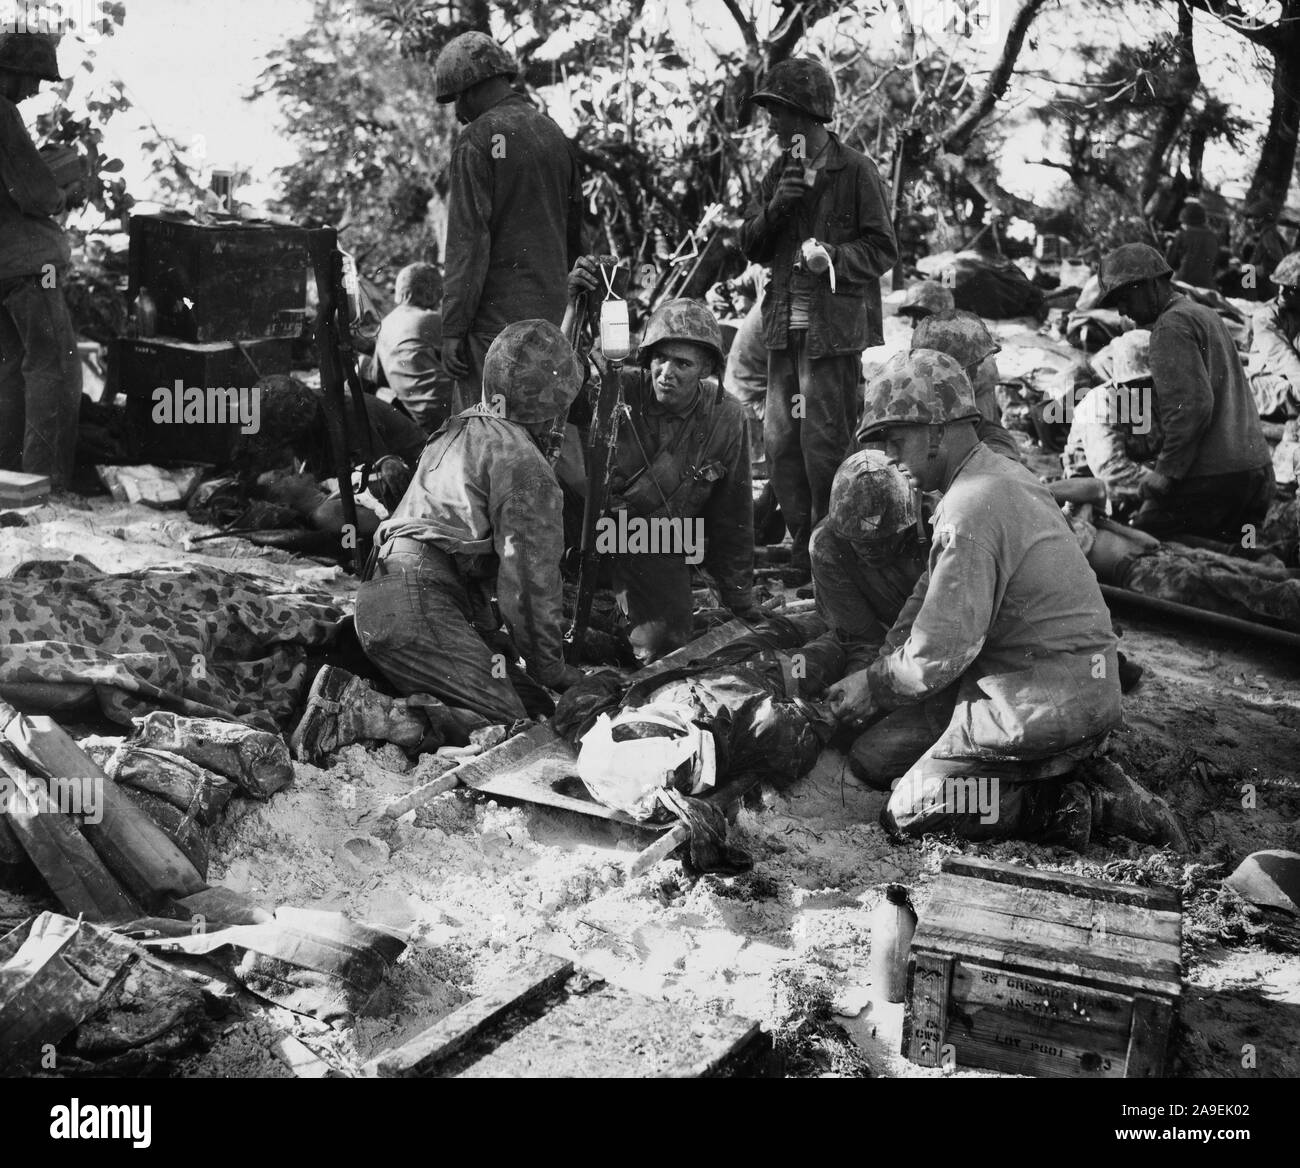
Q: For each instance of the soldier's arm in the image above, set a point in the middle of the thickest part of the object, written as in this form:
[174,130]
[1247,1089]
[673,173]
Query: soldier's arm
[528,537]
[729,518]
[1273,351]
[761,230]
[853,627]
[22,171]
[1105,448]
[875,250]
[948,630]
[1184,396]
[469,238]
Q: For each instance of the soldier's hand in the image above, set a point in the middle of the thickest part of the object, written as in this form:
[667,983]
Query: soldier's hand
[586,276]
[788,194]
[850,699]
[1155,486]
[455,357]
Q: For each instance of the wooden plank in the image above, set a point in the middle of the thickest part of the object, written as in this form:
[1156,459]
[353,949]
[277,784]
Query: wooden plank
[1148,1045]
[951,894]
[1036,999]
[1104,973]
[1053,1051]
[1157,899]
[1057,940]
[135,848]
[72,871]
[925,1017]
[422,1054]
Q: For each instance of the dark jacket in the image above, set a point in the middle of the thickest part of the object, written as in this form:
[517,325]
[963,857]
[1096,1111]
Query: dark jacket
[29,198]
[1207,412]
[513,221]
[699,463]
[847,208]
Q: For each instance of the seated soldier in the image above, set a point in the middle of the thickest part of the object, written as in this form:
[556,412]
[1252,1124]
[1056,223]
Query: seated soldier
[1115,431]
[1213,476]
[1274,362]
[481,518]
[964,338]
[408,350]
[1000,673]
[1194,251]
[681,474]
[925,298]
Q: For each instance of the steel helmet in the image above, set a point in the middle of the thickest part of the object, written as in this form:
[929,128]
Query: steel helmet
[1131,356]
[1130,263]
[533,369]
[960,334]
[682,320]
[624,760]
[1259,208]
[1287,272]
[30,52]
[1270,878]
[1193,214]
[871,498]
[801,82]
[468,59]
[921,388]
[925,298]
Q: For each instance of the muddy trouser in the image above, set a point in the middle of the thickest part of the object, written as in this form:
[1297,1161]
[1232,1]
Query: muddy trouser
[654,594]
[469,390]
[430,630]
[40,380]
[1217,506]
[1275,394]
[972,797]
[805,446]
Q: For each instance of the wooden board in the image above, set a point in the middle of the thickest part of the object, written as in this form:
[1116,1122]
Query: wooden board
[539,767]
[997,872]
[422,1055]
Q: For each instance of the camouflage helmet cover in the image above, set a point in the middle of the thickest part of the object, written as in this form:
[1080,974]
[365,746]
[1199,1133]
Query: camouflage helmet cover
[871,498]
[1129,264]
[1132,356]
[32,53]
[960,334]
[926,297]
[533,369]
[682,320]
[920,388]
[466,60]
[1287,272]
[800,82]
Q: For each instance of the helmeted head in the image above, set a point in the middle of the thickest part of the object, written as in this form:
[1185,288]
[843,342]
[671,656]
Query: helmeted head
[911,406]
[531,376]
[290,424]
[1134,279]
[419,284]
[872,499]
[27,59]
[925,298]
[960,334]
[466,61]
[1287,277]
[1259,212]
[801,85]
[1193,214]
[1131,357]
[682,345]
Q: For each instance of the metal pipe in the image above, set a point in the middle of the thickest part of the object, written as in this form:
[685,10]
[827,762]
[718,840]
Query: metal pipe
[1216,620]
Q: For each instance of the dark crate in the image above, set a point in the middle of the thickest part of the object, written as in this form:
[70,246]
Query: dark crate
[242,281]
[137,367]
[1043,973]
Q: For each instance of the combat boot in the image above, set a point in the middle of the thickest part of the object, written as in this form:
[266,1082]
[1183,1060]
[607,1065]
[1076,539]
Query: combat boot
[342,709]
[1121,806]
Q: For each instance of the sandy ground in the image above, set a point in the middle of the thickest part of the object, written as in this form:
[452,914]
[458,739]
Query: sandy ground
[475,885]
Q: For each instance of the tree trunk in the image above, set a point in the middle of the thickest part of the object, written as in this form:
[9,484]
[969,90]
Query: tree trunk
[1183,85]
[1277,156]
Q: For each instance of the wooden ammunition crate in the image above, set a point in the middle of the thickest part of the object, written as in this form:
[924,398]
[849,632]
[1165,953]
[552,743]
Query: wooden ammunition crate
[136,367]
[241,280]
[1041,973]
